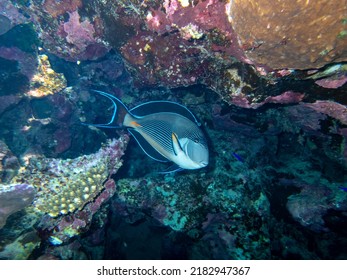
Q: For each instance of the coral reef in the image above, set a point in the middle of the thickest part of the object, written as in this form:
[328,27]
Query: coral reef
[68,185]
[72,38]
[333,76]
[5,24]
[79,34]
[290,34]
[46,81]
[9,163]
[22,247]
[42,114]
[330,108]
[186,202]
[7,102]
[267,81]
[11,12]
[176,43]
[305,209]
[64,189]
[27,62]
[14,198]
[65,227]
[57,8]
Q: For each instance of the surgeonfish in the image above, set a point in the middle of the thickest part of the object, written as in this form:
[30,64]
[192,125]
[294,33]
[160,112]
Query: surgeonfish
[166,131]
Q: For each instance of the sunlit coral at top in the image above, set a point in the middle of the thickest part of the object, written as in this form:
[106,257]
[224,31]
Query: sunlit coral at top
[181,43]
[291,34]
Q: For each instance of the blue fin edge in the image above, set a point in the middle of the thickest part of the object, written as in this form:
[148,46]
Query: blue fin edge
[112,98]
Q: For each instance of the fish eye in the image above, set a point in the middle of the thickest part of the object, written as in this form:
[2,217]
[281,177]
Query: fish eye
[196,140]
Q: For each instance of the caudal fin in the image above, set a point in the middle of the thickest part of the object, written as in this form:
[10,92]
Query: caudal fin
[119,112]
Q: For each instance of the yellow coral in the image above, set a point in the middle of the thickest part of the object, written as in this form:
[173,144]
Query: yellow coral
[65,193]
[191,31]
[147,48]
[46,81]
[65,186]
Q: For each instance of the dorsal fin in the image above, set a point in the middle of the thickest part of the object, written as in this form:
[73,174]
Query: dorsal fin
[163,106]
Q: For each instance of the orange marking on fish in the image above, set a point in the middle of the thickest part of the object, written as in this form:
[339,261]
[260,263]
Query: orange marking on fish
[174,137]
[134,123]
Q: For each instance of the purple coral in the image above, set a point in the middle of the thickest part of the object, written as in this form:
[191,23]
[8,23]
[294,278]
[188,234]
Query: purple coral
[11,12]
[82,39]
[330,108]
[332,82]
[27,62]
[287,97]
[14,198]
[8,101]
[67,226]
[80,34]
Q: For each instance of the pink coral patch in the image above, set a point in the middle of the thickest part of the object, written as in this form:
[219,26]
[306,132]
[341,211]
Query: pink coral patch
[80,34]
[332,83]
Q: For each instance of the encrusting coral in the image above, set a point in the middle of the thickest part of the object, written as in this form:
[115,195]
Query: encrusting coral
[67,185]
[46,81]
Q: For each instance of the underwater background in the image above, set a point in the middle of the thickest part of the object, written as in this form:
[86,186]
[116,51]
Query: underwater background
[267,82]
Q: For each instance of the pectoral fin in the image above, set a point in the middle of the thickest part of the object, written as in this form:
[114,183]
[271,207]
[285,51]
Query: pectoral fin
[172,169]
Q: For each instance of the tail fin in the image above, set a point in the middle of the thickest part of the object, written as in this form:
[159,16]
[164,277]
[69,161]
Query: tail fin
[119,113]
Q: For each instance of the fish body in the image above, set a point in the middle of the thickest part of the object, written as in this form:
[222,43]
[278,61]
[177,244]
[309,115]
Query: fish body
[166,131]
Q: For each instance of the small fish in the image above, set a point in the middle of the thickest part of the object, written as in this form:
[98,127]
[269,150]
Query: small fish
[166,131]
[238,157]
[343,188]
